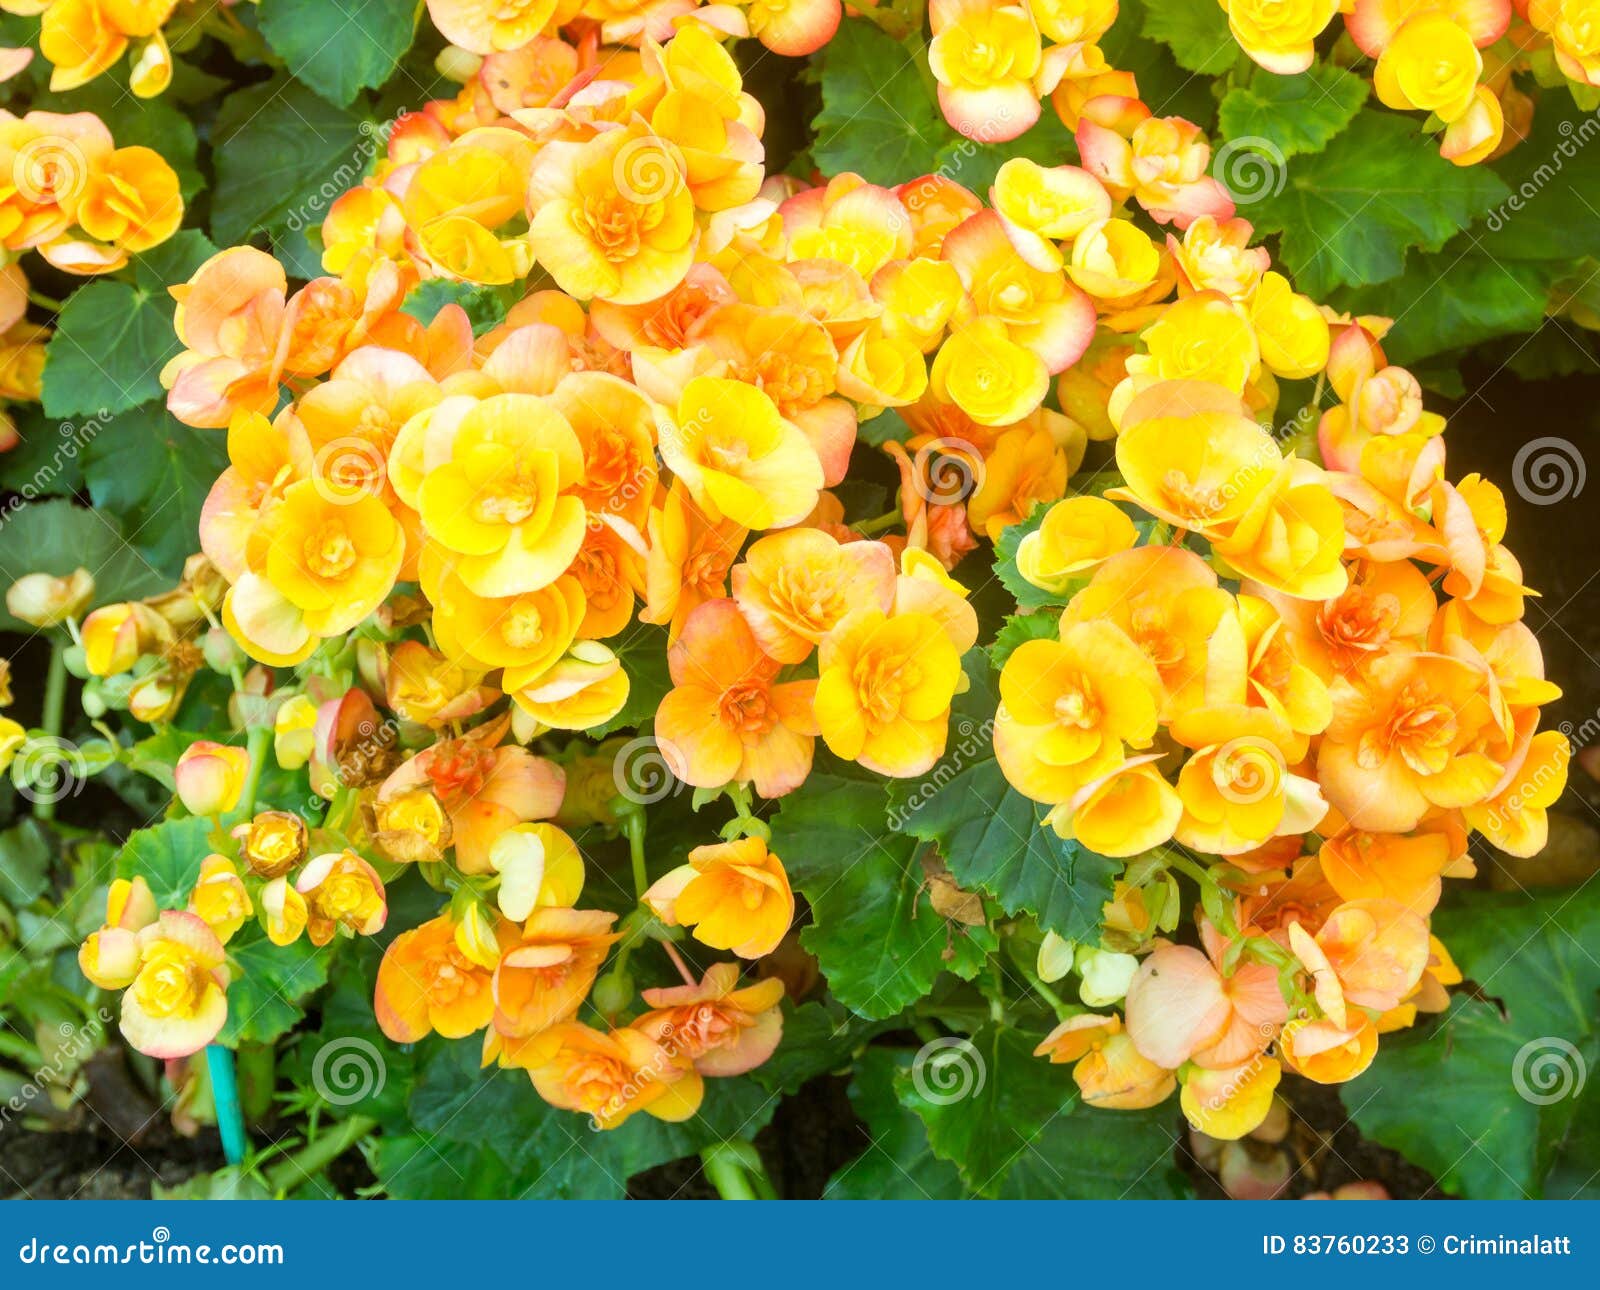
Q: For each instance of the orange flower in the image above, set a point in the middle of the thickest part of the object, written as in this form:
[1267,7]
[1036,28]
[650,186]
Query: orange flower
[131,198]
[609,1077]
[1404,738]
[690,555]
[426,985]
[735,895]
[727,720]
[794,587]
[717,1026]
[484,788]
[545,973]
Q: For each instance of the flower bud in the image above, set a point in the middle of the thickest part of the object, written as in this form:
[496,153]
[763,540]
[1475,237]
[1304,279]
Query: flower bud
[114,636]
[613,993]
[272,843]
[1106,976]
[222,654]
[44,600]
[293,732]
[210,777]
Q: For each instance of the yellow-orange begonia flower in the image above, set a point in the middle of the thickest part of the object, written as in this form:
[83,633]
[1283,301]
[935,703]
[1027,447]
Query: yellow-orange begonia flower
[735,896]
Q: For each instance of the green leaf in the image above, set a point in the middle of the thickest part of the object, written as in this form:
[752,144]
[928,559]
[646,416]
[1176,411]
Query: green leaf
[897,1163]
[879,116]
[269,986]
[974,164]
[1027,595]
[1490,1099]
[1349,214]
[817,1038]
[1554,186]
[25,853]
[283,154]
[1167,89]
[1197,34]
[57,537]
[1014,1126]
[1293,114]
[1455,297]
[338,50]
[1018,629]
[990,835]
[486,307]
[880,944]
[167,856]
[155,472]
[110,344]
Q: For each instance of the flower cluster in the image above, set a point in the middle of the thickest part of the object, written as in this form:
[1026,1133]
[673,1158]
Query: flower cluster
[522,47]
[1288,668]
[80,201]
[83,39]
[1302,685]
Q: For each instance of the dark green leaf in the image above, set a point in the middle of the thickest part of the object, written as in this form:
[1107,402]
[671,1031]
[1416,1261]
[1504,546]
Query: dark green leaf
[1293,114]
[270,983]
[283,155]
[339,49]
[879,116]
[897,1163]
[1489,1098]
[25,853]
[1349,214]
[155,472]
[878,941]
[167,856]
[991,836]
[106,356]
[1197,34]
[57,537]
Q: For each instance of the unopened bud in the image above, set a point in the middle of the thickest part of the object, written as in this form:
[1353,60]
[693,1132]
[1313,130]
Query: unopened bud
[44,600]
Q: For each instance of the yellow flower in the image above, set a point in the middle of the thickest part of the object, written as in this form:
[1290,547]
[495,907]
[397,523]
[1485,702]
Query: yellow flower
[272,843]
[613,217]
[501,501]
[1203,337]
[177,1001]
[1075,536]
[219,897]
[738,457]
[539,865]
[884,690]
[1192,457]
[332,560]
[1290,329]
[989,376]
[1280,34]
[1430,65]
[735,895]
[1129,809]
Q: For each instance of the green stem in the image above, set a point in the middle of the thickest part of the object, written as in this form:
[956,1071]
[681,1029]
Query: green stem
[877,524]
[1058,1005]
[44,301]
[632,822]
[55,700]
[736,1171]
[318,1154]
[260,740]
